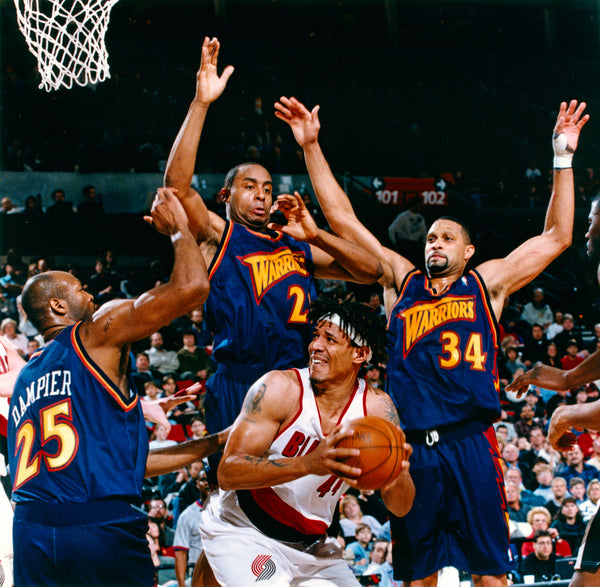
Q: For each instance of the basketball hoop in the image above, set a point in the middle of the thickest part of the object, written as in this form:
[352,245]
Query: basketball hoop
[67,39]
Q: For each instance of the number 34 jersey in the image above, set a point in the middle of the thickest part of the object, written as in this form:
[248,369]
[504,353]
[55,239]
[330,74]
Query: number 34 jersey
[442,353]
[72,436]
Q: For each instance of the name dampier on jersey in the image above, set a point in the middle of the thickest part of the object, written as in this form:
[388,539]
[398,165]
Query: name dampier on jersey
[54,383]
[420,319]
[267,269]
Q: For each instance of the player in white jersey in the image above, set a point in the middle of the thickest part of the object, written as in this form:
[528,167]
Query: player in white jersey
[280,476]
[10,365]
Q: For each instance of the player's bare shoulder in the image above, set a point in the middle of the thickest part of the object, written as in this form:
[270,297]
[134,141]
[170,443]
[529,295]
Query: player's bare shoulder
[379,403]
[275,396]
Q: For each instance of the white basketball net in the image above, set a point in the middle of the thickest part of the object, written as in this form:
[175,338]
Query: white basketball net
[67,39]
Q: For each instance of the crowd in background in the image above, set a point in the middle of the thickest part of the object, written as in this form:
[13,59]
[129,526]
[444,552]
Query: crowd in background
[550,495]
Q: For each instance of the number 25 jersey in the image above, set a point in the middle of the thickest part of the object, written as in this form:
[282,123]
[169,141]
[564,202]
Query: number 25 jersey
[442,353]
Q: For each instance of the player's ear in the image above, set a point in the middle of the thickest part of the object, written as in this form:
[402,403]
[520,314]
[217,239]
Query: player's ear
[224,194]
[469,251]
[58,306]
[361,354]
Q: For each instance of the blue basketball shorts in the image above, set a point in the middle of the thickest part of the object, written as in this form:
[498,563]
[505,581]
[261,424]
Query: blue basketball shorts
[459,515]
[71,545]
[225,393]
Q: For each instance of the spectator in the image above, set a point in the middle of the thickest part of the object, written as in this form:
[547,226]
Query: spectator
[142,374]
[510,456]
[527,497]
[203,336]
[535,346]
[193,488]
[101,284]
[569,523]
[594,460]
[526,421]
[8,329]
[577,489]
[357,553]
[407,232]
[541,563]
[568,333]
[377,556]
[556,326]
[590,505]
[513,361]
[544,476]
[188,542]
[576,466]
[7,207]
[551,357]
[160,438]
[517,512]
[559,493]
[33,345]
[198,428]
[505,431]
[571,359]
[90,208]
[151,391]
[162,361]
[180,412]
[539,518]
[157,511]
[61,210]
[537,451]
[537,311]
[373,376]
[351,516]
[194,362]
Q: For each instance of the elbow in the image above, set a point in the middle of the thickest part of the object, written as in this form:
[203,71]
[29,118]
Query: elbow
[195,293]
[223,477]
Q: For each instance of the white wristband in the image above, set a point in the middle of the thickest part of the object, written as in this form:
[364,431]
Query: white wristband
[563,161]
[563,156]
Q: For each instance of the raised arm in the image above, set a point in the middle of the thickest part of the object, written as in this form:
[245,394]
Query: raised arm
[399,495]
[505,276]
[182,158]
[333,257]
[333,200]
[270,402]
[120,322]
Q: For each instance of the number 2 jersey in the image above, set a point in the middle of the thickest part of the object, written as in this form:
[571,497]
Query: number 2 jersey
[261,285]
[301,509]
[72,435]
[442,354]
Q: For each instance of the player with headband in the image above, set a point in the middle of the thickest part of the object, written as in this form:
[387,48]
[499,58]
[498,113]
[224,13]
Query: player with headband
[280,476]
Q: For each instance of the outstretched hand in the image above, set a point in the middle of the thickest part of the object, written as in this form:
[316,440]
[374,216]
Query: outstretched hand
[542,376]
[569,123]
[300,224]
[167,215]
[304,124]
[155,411]
[209,86]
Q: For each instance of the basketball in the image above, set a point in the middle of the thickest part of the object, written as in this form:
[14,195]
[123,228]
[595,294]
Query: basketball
[381,447]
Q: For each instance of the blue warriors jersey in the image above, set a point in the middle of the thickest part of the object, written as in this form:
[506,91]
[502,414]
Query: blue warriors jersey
[261,285]
[72,436]
[442,354]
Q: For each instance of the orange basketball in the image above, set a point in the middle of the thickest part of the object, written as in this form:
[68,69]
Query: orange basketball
[381,447]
